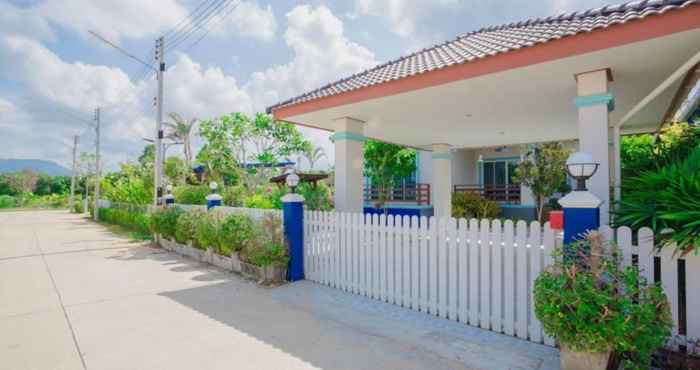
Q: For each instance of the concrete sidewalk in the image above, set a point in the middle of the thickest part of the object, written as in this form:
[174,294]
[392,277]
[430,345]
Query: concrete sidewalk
[74,296]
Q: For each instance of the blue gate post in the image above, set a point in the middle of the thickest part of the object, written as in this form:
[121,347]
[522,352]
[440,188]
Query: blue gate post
[213,199]
[581,214]
[293,208]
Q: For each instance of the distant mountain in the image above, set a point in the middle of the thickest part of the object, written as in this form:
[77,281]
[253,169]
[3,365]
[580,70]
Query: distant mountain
[37,165]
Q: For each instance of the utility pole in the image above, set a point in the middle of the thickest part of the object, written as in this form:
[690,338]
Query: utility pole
[97,164]
[76,138]
[160,56]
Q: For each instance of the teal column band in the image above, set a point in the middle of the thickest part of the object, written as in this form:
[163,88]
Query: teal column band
[350,136]
[598,99]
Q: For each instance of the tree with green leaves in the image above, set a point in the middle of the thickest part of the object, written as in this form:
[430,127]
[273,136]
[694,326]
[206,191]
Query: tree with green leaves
[313,154]
[386,164]
[543,170]
[181,130]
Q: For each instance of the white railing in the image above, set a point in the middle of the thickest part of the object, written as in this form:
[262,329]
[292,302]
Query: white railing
[479,273]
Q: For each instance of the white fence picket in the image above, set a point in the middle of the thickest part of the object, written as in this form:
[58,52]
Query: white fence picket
[476,272]
[521,306]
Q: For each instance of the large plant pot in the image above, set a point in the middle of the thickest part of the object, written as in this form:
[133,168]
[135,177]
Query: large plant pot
[570,360]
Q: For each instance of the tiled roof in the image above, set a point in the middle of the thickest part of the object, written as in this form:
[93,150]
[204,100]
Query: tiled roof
[490,41]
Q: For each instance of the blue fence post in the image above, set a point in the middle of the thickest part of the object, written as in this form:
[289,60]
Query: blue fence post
[581,214]
[213,200]
[293,209]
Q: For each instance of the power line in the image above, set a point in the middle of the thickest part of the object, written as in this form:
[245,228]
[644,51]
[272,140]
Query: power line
[230,10]
[117,47]
[196,26]
[194,20]
[183,20]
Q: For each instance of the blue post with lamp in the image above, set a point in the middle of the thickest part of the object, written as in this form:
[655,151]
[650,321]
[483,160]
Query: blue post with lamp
[213,199]
[581,207]
[293,213]
[169,198]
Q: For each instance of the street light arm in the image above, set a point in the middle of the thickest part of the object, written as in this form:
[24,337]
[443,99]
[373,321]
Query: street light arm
[121,50]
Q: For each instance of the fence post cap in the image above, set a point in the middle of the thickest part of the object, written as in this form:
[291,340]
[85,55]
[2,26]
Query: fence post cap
[292,198]
[214,197]
[580,199]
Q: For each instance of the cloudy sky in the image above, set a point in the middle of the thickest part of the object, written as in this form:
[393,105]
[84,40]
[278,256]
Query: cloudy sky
[53,72]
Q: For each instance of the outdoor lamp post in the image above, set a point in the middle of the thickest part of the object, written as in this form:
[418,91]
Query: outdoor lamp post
[581,207]
[581,167]
[293,213]
[213,199]
[292,180]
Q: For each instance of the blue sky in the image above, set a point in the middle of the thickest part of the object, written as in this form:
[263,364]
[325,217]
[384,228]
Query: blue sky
[261,52]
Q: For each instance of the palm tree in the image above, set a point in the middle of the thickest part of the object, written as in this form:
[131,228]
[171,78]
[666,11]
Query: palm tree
[314,154]
[181,130]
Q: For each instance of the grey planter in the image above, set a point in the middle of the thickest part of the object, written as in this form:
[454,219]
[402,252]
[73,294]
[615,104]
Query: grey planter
[570,360]
[235,262]
[267,274]
[193,252]
[223,262]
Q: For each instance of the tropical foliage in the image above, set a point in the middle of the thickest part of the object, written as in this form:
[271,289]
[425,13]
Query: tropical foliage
[27,189]
[665,199]
[385,164]
[591,303]
[543,170]
[180,130]
[471,205]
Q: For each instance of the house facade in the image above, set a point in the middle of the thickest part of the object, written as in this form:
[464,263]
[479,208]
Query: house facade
[473,104]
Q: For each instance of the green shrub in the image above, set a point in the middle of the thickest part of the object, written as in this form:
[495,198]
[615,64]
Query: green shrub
[7,201]
[136,220]
[259,200]
[236,232]
[667,198]
[267,246]
[186,226]
[589,303]
[191,194]
[471,205]
[207,230]
[234,196]
[78,206]
[165,221]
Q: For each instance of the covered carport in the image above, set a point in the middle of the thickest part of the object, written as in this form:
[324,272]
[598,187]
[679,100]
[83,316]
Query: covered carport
[587,76]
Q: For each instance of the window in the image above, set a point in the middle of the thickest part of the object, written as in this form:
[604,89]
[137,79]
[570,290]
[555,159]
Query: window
[498,171]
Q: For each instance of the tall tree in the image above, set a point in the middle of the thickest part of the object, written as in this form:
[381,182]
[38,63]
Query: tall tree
[313,154]
[386,164]
[181,130]
[543,171]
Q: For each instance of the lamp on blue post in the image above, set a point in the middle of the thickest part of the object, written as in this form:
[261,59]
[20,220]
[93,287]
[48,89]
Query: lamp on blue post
[169,198]
[581,207]
[293,209]
[213,199]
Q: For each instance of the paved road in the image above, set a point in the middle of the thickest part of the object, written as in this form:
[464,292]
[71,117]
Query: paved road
[74,296]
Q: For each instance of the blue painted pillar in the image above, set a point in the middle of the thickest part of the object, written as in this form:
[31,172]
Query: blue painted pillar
[213,200]
[169,200]
[293,208]
[581,214]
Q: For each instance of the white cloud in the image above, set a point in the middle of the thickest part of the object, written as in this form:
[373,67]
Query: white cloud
[249,20]
[16,20]
[114,19]
[402,15]
[322,54]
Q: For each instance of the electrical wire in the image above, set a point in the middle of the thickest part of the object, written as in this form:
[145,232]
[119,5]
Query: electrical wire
[206,32]
[181,23]
[198,25]
[195,21]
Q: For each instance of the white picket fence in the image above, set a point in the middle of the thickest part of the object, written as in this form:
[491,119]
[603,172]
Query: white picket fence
[479,273]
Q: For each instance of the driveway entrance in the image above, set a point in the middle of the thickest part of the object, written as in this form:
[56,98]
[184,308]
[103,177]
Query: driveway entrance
[75,296]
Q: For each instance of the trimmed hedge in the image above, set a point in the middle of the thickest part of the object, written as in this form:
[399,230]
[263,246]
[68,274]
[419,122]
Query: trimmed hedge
[130,219]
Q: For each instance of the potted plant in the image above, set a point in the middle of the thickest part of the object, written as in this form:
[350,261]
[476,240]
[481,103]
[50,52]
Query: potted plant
[599,311]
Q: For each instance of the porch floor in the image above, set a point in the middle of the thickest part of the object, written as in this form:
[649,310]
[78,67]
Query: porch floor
[415,335]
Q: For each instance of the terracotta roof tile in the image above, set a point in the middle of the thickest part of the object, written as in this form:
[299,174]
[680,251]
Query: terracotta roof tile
[491,41]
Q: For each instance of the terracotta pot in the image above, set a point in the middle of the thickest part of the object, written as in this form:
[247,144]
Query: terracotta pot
[570,360]
[556,220]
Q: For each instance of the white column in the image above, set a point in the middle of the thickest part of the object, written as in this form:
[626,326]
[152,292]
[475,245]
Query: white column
[442,180]
[349,181]
[594,104]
